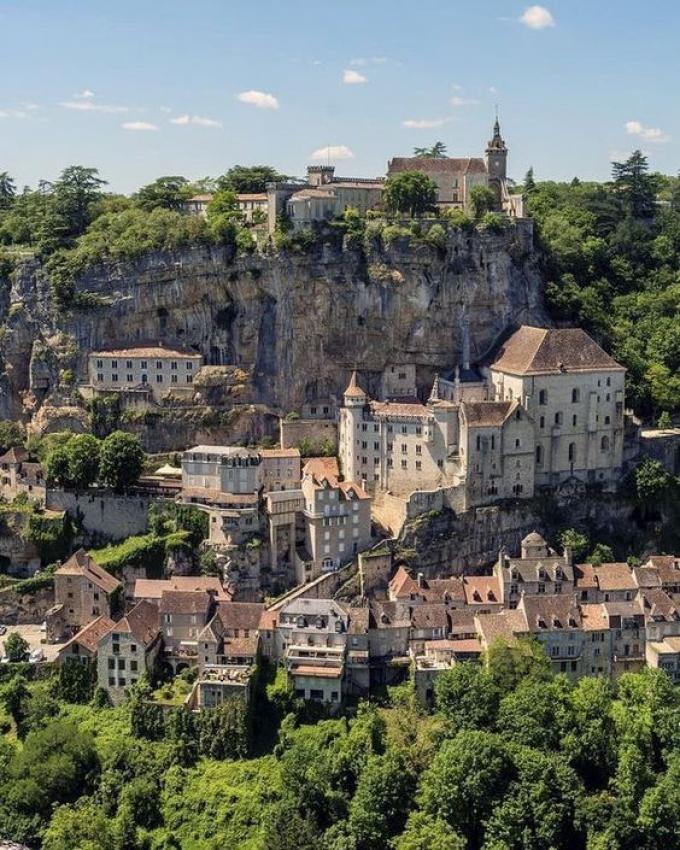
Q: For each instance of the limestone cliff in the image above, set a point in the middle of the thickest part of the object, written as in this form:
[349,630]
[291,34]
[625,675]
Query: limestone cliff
[296,324]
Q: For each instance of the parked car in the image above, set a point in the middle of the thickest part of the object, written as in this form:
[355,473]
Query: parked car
[36,655]
[3,630]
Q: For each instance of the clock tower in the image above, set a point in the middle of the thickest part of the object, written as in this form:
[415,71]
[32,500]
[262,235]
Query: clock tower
[496,155]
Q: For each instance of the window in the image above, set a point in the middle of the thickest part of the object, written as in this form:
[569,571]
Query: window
[112,663]
[404,464]
[404,429]
[574,420]
[604,443]
[159,364]
[133,647]
[609,382]
[607,420]
[404,448]
[541,422]
[539,454]
[128,364]
[479,442]
[541,587]
[364,444]
[144,379]
[517,443]
[100,376]
[114,364]
[419,450]
[173,365]
[419,430]
[114,377]
[100,364]
[419,464]
[572,452]
[376,447]
[543,397]
[159,379]
[575,395]
[173,379]
[133,665]
[129,377]
[558,418]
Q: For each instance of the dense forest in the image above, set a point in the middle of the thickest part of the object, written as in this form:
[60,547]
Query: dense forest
[611,257]
[511,758]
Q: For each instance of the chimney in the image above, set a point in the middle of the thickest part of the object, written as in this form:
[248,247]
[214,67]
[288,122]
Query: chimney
[568,555]
[421,580]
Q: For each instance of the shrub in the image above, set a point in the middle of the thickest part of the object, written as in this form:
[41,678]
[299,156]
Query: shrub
[436,236]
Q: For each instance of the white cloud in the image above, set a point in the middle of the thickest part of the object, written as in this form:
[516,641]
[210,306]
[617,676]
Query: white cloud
[85,94]
[261,99]
[197,120]
[90,106]
[456,100]
[649,134]
[493,90]
[353,77]
[138,125]
[373,60]
[332,152]
[424,123]
[13,113]
[536,18]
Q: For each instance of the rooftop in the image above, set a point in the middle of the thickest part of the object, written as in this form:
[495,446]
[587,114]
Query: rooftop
[82,564]
[437,165]
[537,351]
[151,351]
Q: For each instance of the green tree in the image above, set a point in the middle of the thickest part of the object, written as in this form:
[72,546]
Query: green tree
[16,648]
[11,434]
[652,481]
[467,697]
[634,186]
[529,182]
[574,540]
[379,807]
[424,832]
[14,696]
[588,741]
[81,826]
[437,151]
[224,216]
[659,818]
[601,554]
[223,732]
[482,201]
[534,713]
[469,776]
[121,460]
[7,190]
[510,663]
[249,179]
[72,196]
[82,451]
[665,421]
[410,192]
[168,193]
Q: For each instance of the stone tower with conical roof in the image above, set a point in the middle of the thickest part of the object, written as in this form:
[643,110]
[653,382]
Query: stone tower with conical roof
[351,416]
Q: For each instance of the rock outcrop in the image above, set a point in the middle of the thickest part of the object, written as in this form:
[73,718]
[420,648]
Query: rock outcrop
[293,324]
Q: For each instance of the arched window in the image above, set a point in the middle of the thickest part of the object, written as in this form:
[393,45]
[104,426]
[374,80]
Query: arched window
[572,452]
[543,397]
[604,444]
[575,395]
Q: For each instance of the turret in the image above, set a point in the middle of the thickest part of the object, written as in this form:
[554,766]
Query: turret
[354,396]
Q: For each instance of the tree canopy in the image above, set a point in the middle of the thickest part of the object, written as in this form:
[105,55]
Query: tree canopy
[410,192]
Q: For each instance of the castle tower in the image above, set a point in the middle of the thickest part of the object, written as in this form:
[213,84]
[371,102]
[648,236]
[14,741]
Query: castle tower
[320,175]
[353,402]
[496,155]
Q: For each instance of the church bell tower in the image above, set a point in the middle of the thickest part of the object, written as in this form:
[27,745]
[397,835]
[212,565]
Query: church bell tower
[496,155]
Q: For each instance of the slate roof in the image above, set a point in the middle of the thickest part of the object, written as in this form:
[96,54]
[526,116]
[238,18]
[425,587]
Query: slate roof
[539,351]
[504,625]
[149,351]
[146,588]
[184,602]
[398,409]
[241,615]
[430,616]
[555,611]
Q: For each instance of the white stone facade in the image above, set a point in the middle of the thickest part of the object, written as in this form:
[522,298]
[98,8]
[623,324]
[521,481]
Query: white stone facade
[159,369]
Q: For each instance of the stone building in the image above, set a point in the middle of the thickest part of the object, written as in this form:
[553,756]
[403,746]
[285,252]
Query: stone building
[155,369]
[574,393]
[83,645]
[128,650]
[19,475]
[457,177]
[546,413]
[281,469]
[337,517]
[321,197]
[83,591]
[539,570]
[221,469]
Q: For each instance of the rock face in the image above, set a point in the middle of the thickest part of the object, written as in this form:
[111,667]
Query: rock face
[296,324]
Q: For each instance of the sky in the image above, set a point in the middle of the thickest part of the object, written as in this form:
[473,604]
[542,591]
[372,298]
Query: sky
[144,88]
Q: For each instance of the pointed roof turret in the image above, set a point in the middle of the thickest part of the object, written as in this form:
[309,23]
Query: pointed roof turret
[496,142]
[353,389]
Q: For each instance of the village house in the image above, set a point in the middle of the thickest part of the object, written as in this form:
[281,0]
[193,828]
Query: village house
[155,370]
[221,469]
[539,570]
[151,590]
[128,650]
[19,475]
[183,615]
[281,469]
[83,591]
[337,518]
[83,645]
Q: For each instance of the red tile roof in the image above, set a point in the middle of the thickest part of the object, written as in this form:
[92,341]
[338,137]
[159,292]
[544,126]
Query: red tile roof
[141,622]
[90,635]
[82,564]
[487,414]
[437,165]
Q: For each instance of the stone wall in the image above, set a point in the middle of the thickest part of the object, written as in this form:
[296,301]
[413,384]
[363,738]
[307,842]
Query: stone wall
[23,609]
[374,569]
[662,445]
[103,514]
[391,512]
[323,587]
[316,431]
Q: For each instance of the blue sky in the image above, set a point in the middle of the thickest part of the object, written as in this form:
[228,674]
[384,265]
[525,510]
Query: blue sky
[140,88]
